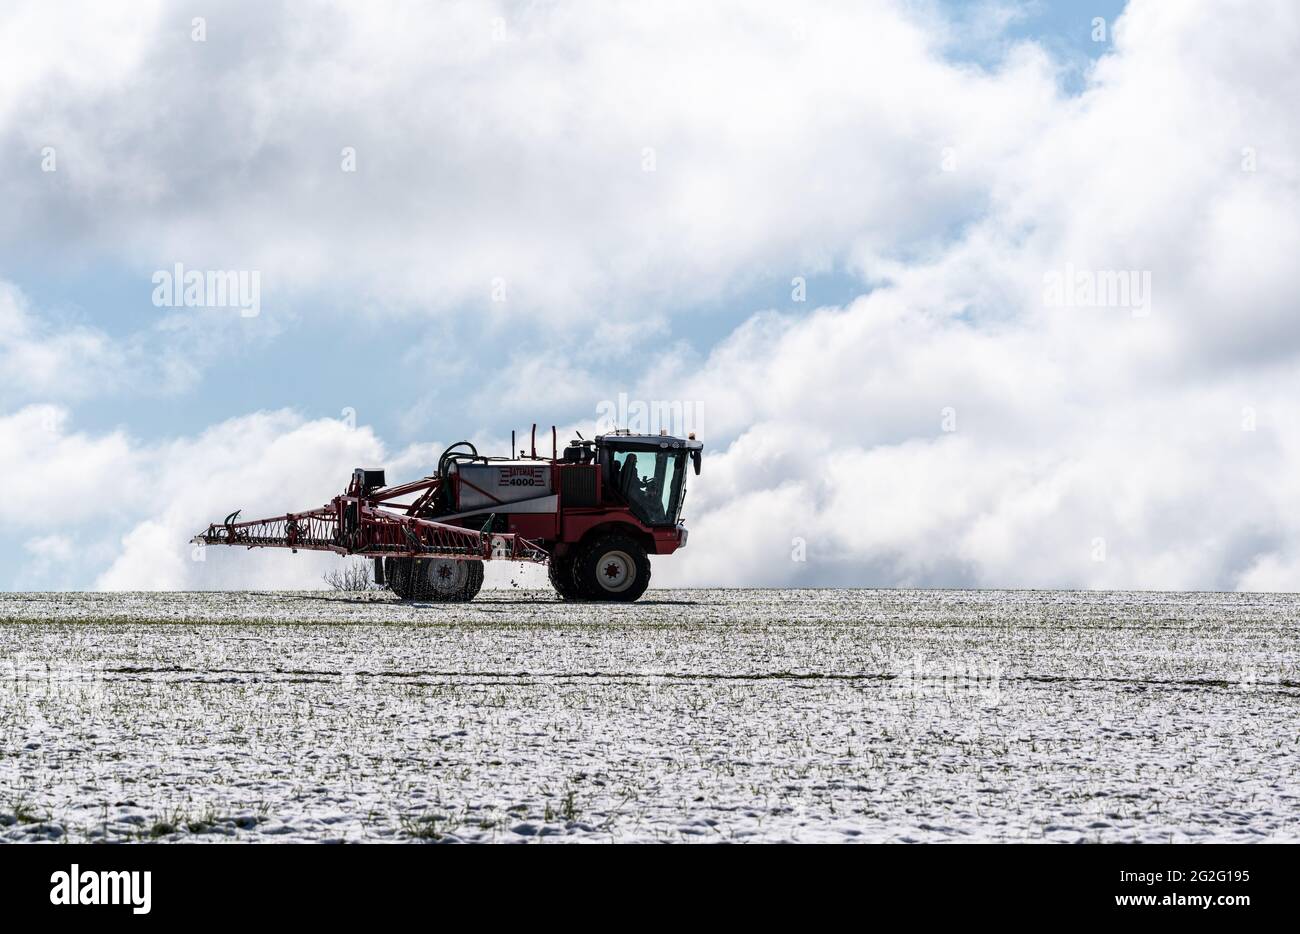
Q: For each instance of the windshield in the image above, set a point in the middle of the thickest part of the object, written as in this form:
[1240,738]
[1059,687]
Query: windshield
[651,483]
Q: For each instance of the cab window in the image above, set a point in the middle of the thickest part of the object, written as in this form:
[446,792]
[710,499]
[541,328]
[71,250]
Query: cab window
[649,481]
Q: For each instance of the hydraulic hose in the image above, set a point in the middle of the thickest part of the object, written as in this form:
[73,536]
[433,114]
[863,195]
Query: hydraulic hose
[445,461]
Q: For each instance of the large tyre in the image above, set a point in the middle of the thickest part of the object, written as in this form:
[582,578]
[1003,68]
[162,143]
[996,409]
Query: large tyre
[397,572]
[612,567]
[560,571]
[434,580]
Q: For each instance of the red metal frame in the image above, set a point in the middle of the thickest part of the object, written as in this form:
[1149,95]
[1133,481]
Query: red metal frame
[370,522]
[360,523]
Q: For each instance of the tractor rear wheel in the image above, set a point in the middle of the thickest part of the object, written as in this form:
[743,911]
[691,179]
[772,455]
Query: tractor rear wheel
[560,571]
[612,567]
[434,580]
[397,572]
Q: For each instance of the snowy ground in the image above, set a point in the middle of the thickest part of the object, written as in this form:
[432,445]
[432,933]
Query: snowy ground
[692,715]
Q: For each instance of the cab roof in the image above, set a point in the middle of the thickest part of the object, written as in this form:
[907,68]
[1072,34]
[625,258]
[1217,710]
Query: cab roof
[643,442]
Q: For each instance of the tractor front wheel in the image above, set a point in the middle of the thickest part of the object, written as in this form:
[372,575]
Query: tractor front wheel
[612,567]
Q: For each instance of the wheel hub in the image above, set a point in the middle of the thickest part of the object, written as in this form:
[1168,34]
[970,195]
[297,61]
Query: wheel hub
[617,571]
[446,575]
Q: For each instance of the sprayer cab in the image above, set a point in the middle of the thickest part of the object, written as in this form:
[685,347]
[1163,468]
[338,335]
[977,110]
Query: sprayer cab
[648,472]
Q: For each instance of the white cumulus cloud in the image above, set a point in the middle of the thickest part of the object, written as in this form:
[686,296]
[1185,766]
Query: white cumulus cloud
[614,167]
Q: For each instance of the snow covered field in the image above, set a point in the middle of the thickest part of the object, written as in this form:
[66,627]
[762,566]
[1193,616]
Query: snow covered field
[693,715]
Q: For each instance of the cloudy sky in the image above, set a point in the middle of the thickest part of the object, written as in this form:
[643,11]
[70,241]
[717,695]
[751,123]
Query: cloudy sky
[959,294]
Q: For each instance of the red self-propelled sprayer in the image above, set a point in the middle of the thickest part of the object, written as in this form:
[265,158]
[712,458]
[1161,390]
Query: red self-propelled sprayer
[593,514]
